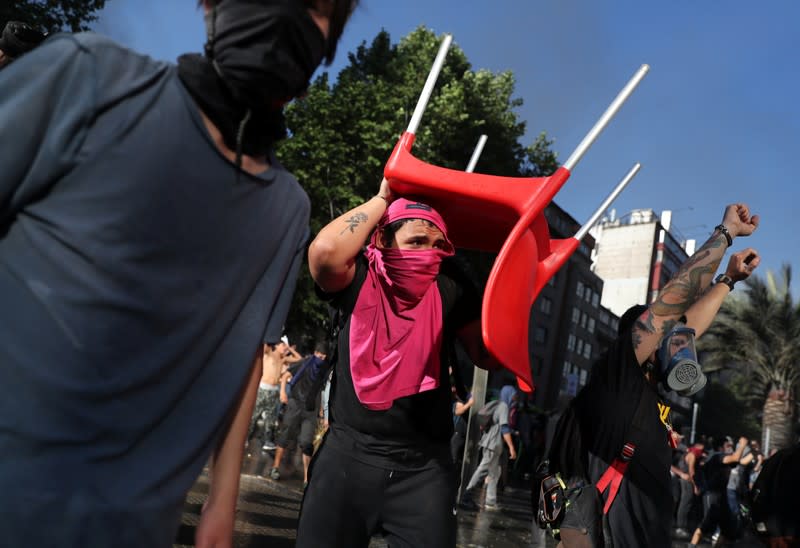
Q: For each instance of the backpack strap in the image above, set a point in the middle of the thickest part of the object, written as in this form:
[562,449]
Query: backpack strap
[612,477]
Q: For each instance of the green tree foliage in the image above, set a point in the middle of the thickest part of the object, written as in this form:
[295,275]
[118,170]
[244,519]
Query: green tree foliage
[757,336]
[343,133]
[51,15]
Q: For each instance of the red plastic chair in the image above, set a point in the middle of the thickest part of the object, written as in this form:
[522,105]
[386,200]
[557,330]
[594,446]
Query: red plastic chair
[500,214]
[491,213]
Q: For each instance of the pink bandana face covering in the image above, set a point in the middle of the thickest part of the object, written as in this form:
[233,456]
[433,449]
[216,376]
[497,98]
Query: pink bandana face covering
[396,325]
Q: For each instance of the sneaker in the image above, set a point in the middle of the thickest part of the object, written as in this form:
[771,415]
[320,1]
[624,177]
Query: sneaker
[274,474]
[488,506]
[268,446]
[682,534]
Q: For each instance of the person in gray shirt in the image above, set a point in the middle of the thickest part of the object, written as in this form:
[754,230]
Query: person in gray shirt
[149,245]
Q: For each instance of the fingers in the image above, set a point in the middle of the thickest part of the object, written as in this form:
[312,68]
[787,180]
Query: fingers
[385,191]
[742,263]
[739,221]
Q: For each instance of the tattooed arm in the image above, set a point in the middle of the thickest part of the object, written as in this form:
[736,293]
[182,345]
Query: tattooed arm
[689,283]
[332,254]
[705,308]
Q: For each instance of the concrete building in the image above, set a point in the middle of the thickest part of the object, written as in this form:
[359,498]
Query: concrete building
[569,327]
[635,256]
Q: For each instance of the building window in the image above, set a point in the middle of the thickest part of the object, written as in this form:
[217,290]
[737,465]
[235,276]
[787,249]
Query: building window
[576,314]
[596,300]
[587,351]
[584,376]
[545,305]
[579,347]
[571,343]
[579,290]
[583,319]
[540,334]
[591,325]
[588,295]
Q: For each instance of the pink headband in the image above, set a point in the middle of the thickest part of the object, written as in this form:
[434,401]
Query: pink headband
[402,208]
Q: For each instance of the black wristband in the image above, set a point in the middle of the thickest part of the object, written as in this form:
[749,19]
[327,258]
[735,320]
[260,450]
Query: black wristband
[725,279]
[727,234]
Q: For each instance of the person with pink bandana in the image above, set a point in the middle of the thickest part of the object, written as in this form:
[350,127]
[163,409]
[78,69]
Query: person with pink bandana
[384,467]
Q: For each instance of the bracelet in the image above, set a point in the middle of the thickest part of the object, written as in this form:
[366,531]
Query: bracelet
[725,279]
[721,228]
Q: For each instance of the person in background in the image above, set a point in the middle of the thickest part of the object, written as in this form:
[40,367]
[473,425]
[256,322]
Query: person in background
[491,444]
[460,423]
[716,472]
[299,423]
[275,361]
[690,489]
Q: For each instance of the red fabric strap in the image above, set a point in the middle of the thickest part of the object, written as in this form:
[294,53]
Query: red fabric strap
[613,475]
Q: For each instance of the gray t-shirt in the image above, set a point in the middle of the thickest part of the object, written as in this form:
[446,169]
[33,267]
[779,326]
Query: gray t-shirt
[138,277]
[493,437]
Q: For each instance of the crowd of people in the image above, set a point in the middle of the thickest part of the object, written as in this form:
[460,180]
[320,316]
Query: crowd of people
[136,313]
[712,479]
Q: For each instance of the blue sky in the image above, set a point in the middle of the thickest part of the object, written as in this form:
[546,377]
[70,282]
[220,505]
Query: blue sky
[715,121]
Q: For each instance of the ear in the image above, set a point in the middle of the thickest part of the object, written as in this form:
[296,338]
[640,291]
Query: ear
[380,240]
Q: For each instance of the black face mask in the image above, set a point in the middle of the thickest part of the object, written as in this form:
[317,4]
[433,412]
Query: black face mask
[266,51]
[260,54]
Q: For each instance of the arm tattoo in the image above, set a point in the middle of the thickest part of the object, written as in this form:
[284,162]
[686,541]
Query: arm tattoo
[637,339]
[648,326]
[353,222]
[686,286]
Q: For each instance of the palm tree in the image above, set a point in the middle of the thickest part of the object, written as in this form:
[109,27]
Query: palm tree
[757,335]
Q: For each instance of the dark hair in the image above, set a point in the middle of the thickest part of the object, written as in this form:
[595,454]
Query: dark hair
[630,316]
[388,231]
[18,38]
[342,9]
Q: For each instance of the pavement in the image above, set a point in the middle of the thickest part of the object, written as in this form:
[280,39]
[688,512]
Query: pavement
[267,512]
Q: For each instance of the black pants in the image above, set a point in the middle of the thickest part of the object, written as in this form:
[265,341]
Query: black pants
[717,515]
[347,502]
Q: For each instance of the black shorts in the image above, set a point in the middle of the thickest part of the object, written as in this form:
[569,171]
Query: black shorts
[298,424]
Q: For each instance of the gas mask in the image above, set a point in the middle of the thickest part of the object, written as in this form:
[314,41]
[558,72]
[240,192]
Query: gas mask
[680,370]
